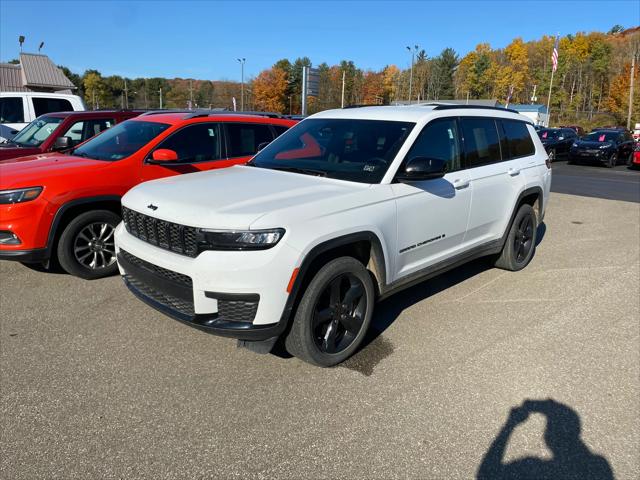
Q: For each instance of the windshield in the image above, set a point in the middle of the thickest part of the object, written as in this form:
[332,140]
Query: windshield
[353,150]
[549,134]
[37,131]
[601,136]
[120,141]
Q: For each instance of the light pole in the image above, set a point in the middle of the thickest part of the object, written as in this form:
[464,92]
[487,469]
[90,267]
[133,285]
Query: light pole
[413,52]
[242,60]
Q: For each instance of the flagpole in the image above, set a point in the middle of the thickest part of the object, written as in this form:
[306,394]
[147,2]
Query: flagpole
[553,70]
[549,97]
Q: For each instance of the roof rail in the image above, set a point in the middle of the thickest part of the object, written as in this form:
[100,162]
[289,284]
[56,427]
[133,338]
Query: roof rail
[363,105]
[451,106]
[168,110]
[207,113]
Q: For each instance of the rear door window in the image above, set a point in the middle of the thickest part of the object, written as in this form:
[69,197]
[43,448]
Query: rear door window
[243,139]
[481,142]
[519,141]
[44,105]
[85,129]
[279,129]
[11,110]
[196,143]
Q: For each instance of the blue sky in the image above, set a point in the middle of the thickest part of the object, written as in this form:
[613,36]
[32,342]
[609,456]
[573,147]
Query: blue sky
[202,39]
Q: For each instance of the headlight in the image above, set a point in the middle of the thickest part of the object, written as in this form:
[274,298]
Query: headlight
[19,195]
[575,144]
[241,240]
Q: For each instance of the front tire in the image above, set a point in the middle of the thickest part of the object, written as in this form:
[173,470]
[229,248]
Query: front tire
[86,247]
[613,160]
[334,313]
[521,241]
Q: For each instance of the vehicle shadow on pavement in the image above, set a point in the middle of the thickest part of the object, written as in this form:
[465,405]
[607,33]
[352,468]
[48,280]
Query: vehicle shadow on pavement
[375,347]
[571,458]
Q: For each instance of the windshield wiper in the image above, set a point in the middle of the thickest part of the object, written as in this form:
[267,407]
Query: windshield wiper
[304,171]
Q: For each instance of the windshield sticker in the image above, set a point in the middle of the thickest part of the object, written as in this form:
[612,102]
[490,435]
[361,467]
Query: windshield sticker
[601,138]
[544,134]
[369,168]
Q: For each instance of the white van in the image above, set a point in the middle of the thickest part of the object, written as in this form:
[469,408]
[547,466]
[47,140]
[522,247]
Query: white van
[17,109]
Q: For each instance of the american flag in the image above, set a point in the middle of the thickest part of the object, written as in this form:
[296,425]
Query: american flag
[554,55]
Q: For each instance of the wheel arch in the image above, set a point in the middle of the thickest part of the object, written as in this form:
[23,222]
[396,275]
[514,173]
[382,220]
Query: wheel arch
[533,196]
[73,208]
[364,245]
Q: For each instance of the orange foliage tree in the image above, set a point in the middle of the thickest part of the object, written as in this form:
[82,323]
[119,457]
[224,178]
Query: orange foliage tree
[269,90]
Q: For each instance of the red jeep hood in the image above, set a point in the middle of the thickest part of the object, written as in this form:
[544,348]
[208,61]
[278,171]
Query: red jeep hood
[37,170]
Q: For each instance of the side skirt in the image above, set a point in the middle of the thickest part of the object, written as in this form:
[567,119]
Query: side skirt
[412,279]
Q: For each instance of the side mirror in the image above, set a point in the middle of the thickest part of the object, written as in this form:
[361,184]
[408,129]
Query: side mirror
[162,155]
[422,168]
[261,146]
[62,143]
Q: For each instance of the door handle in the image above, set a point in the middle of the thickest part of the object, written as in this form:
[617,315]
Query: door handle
[513,171]
[460,183]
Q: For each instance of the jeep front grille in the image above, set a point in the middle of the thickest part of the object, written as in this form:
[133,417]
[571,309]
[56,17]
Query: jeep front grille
[170,236]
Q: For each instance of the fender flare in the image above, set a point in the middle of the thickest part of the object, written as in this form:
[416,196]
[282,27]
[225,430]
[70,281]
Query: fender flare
[525,193]
[376,263]
[57,218]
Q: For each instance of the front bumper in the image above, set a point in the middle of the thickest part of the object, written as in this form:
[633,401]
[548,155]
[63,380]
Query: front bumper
[232,294]
[587,155]
[35,255]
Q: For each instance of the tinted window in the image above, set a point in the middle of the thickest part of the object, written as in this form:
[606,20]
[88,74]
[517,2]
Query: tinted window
[11,110]
[81,131]
[601,136]
[481,143]
[279,129]
[354,150]
[195,143]
[244,138]
[37,131]
[518,139]
[120,141]
[439,139]
[48,105]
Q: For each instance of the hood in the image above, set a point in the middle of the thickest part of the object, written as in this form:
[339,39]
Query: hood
[588,144]
[234,198]
[8,150]
[35,170]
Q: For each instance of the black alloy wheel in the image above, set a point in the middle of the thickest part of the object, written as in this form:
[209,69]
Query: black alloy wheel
[338,314]
[613,160]
[523,240]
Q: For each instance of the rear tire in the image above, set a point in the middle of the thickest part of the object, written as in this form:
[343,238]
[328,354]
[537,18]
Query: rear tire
[334,313]
[86,247]
[521,241]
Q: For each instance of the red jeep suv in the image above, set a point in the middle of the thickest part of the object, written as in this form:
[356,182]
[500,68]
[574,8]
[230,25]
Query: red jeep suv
[62,130]
[64,207]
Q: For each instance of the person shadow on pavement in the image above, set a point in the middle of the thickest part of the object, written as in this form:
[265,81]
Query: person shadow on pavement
[572,459]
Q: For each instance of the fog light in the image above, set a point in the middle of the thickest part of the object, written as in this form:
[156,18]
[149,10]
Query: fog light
[9,238]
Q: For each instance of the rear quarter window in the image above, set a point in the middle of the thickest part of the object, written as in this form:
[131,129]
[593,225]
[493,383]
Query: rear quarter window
[519,142]
[11,110]
[43,105]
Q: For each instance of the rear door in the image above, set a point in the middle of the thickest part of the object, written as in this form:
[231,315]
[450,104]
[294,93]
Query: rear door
[495,173]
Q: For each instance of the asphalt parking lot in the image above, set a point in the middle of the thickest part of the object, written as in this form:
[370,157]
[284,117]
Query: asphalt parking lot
[97,385]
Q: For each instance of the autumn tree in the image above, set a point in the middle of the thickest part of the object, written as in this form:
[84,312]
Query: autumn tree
[269,90]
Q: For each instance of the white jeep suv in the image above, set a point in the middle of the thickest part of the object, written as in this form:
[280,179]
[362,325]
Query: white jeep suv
[345,208]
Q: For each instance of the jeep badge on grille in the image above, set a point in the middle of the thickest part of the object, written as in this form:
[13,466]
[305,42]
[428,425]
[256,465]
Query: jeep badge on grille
[152,207]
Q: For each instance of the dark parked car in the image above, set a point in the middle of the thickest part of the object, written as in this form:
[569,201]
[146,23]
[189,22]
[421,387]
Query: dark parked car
[557,141]
[579,130]
[603,146]
[59,131]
